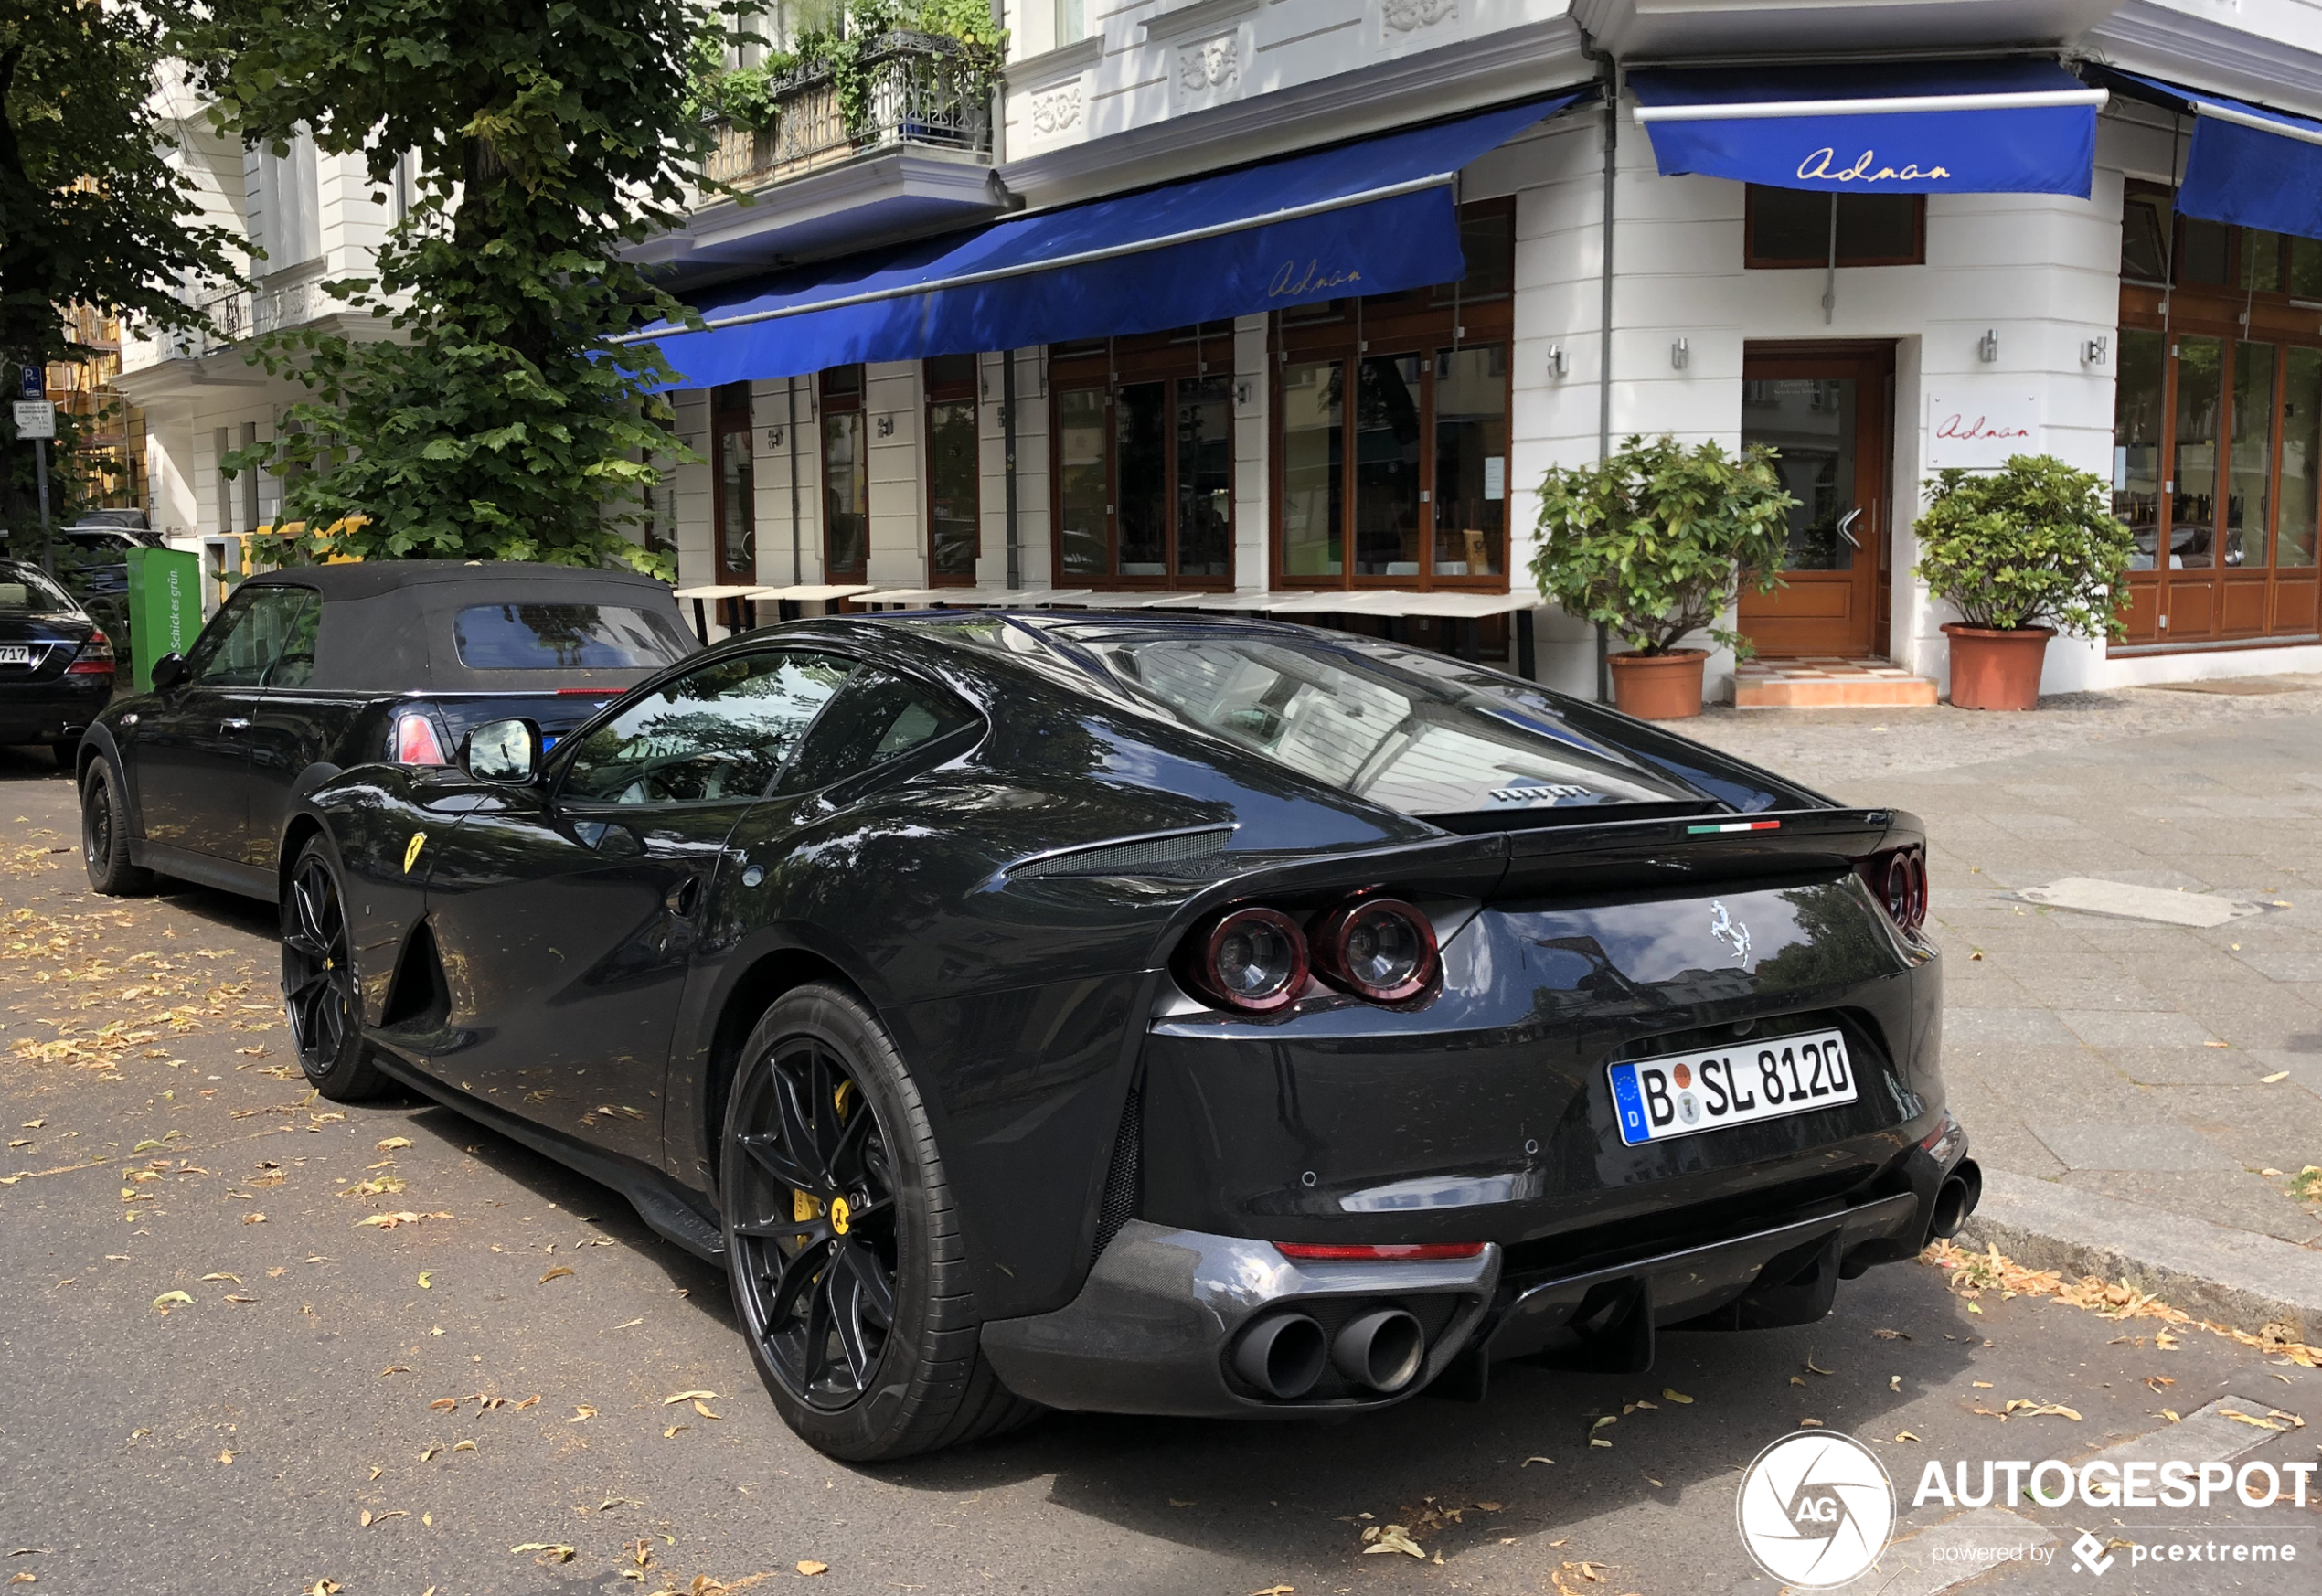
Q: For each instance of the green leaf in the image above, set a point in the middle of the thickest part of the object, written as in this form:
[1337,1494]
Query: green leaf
[2033,544]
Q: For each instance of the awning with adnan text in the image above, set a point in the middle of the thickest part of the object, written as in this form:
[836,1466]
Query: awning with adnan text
[1920,127]
[1377,216]
[2246,164]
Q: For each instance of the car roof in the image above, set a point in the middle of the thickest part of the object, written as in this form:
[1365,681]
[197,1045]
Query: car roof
[369,579]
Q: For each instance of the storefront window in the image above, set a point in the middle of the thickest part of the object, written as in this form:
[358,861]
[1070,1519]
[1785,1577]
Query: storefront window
[2145,221]
[2248,493]
[2137,441]
[846,476]
[954,471]
[1387,485]
[2301,458]
[1788,228]
[737,507]
[2200,371]
[1313,470]
[1471,461]
[1144,476]
[2306,270]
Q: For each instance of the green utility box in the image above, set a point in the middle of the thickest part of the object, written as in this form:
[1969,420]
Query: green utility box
[165,607]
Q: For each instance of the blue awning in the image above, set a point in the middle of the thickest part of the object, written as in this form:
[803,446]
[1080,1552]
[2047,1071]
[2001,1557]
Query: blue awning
[1377,216]
[1920,127]
[2247,164]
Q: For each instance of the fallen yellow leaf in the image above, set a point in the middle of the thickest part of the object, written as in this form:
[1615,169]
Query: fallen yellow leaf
[552,1274]
[685,1396]
[2241,1418]
[392,1144]
[1676,1396]
[810,1568]
[163,1300]
[2270,1080]
[1905,1435]
[704,1411]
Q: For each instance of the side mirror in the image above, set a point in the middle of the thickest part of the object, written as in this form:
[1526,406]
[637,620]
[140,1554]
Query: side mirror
[502,751]
[168,671]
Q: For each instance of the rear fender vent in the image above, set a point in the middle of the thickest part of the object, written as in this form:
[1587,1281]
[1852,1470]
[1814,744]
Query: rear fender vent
[1123,1179]
[1178,853]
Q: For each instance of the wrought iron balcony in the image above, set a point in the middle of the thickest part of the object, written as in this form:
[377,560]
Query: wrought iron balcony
[922,89]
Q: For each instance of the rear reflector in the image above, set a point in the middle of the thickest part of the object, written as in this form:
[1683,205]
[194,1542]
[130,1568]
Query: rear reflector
[1734,826]
[1403,1252]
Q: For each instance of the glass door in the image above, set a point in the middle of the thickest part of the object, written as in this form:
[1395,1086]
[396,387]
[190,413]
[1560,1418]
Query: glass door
[1824,415]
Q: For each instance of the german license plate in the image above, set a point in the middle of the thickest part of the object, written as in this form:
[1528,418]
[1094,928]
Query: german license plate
[1682,1094]
[16,654]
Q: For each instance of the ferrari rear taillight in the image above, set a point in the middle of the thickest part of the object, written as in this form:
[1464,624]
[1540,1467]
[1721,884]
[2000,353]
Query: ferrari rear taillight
[94,659]
[1407,1251]
[416,742]
[1379,947]
[1899,879]
[1250,959]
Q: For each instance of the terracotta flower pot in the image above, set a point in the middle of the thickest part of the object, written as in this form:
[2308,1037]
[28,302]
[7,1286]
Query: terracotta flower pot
[1996,670]
[1658,686]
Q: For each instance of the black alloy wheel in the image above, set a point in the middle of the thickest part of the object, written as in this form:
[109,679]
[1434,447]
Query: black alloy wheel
[318,981]
[105,837]
[815,1225]
[842,1244]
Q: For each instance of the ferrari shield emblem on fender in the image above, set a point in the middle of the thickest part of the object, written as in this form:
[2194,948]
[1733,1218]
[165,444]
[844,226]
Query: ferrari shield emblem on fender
[411,850]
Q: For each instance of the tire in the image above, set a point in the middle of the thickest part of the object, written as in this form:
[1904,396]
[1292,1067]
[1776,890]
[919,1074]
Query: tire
[862,1323]
[105,835]
[318,981]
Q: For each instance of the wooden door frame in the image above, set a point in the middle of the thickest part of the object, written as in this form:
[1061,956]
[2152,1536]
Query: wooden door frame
[1874,452]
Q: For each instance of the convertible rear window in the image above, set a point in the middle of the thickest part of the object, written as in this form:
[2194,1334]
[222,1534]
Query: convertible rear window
[1424,746]
[549,637]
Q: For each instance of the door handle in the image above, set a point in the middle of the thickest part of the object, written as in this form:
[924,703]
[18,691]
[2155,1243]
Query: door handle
[234,723]
[1846,528]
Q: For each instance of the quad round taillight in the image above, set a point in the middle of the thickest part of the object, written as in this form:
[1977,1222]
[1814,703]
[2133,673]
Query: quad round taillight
[1378,948]
[1251,959]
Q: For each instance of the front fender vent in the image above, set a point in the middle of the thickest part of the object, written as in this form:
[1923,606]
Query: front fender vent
[1193,853]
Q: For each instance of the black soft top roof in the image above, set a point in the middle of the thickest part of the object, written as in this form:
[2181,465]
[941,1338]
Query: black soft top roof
[387,625]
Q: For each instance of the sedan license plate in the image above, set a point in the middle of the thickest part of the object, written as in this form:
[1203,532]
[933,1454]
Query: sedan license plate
[16,654]
[1682,1094]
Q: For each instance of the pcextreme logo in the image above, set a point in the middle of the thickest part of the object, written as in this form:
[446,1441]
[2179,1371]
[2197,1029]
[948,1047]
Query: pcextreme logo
[1815,1509]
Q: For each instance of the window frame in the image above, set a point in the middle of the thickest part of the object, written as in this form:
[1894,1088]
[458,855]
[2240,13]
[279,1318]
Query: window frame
[1752,262]
[198,676]
[733,411]
[828,405]
[969,392]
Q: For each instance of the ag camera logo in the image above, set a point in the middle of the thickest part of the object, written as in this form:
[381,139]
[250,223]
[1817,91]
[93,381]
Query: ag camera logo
[1815,1509]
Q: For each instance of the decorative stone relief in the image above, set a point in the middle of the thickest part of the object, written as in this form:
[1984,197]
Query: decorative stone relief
[1057,111]
[1212,64]
[1411,15]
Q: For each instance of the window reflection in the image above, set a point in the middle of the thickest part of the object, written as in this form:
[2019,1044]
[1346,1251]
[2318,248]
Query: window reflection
[2136,441]
[1084,490]
[2248,495]
[1313,470]
[1471,461]
[2301,458]
[2200,376]
[721,731]
[1386,480]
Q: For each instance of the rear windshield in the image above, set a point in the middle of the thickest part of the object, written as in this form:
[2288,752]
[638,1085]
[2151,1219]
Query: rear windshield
[1406,740]
[25,591]
[549,637]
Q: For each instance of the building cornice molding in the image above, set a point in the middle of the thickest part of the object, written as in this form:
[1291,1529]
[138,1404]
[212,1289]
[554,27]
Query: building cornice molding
[2144,36]
[1201,16]
[1504,65]
[1054,66]
[955,178]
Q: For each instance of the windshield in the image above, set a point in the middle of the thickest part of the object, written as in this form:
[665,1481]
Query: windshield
[1399,739]
[25,591]
[546,637]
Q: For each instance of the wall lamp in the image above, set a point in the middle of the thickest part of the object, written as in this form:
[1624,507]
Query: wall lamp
[1988,346]
[887,426]
[2096,351]
[1680,353]
[1556,365]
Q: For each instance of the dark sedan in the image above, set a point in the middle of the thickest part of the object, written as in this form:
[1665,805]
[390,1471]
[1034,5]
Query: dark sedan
[1166,1017]
[305,672]
[55,665]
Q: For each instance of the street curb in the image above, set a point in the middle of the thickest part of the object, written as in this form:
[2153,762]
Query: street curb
[2236,1278]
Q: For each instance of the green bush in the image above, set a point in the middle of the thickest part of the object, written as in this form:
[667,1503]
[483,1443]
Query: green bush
[2029,545]
[1657,541]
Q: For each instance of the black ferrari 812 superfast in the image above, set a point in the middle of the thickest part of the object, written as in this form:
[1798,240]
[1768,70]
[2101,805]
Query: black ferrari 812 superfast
[1172,1016]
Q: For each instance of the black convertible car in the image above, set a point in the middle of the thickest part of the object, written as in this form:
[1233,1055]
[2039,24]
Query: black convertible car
[1171,1015]
[305,672]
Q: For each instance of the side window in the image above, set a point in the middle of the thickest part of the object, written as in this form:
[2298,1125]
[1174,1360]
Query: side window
[878,716]
[251,635]
[294,665]
[721,731]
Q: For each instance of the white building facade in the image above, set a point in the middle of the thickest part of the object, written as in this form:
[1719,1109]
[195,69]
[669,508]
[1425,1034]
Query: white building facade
[1371,460]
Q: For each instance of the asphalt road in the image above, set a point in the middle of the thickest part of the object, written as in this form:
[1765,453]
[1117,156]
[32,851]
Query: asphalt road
[394,1408]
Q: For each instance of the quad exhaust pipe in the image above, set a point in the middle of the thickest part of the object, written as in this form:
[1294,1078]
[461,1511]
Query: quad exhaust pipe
[1955,1199]
[1284,1354]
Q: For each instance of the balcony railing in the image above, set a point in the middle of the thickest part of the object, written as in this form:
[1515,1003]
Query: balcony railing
[244,312]
[923,89]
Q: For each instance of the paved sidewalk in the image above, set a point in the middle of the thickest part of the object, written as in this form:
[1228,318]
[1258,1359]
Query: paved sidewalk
[2177,1068]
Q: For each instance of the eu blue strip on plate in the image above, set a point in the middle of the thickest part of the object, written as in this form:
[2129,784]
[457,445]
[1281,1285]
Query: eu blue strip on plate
[1629,1103]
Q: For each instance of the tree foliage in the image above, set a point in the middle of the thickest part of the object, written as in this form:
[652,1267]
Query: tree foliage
[487,410]
[748,96]
[91,211]
[1654,542]
[2029,545]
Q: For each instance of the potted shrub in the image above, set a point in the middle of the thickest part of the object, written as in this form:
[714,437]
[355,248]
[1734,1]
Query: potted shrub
[2023,553]
[1654,544]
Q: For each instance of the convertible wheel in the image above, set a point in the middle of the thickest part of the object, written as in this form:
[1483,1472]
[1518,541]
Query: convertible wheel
[105,837]
[318,982]
[843,1244]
